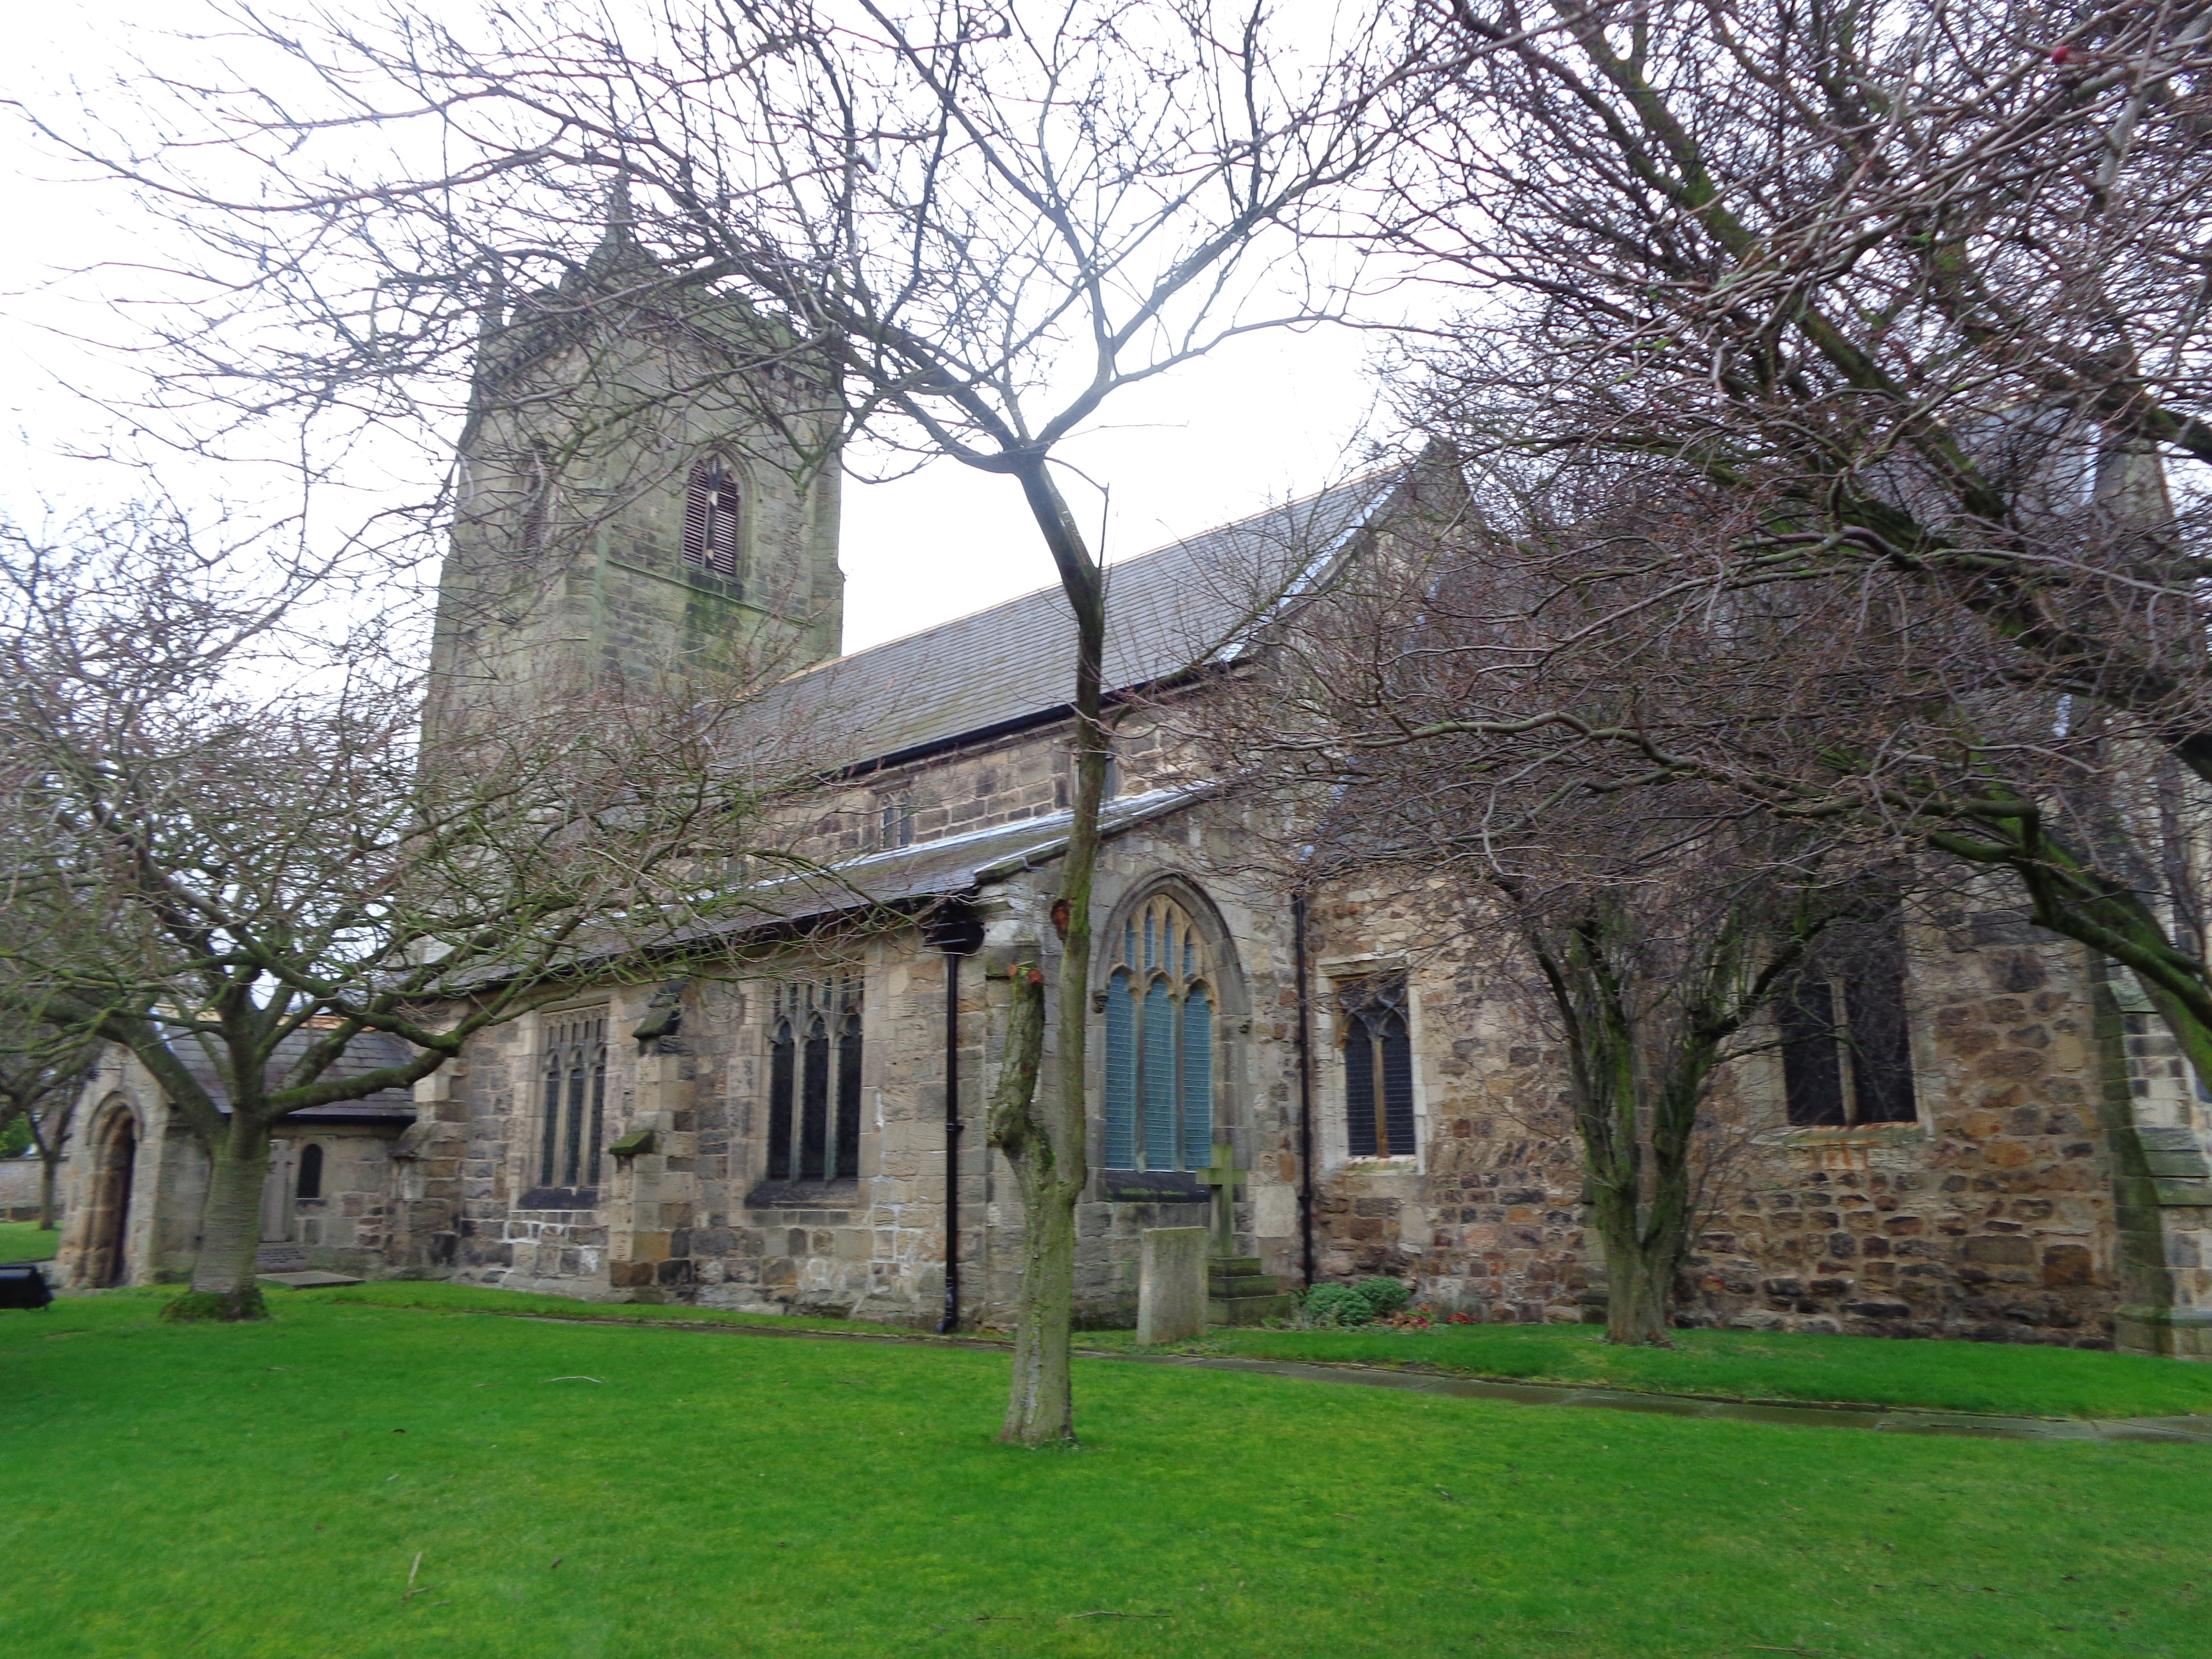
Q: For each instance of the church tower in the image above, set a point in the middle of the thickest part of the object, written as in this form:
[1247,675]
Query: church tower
[647,497]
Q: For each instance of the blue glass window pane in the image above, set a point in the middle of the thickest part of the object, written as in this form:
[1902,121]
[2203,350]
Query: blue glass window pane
[1121,1073]
[1157,1065]
[1197,1079]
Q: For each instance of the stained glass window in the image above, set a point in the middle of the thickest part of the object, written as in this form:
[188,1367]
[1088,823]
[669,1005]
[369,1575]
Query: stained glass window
[1159,1043]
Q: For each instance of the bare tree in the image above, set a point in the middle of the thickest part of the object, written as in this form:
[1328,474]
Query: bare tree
[1908,300]
[968,230]
[228,843]
[1421,732]
[42,1069]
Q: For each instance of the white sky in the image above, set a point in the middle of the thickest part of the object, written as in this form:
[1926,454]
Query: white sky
[1270,416]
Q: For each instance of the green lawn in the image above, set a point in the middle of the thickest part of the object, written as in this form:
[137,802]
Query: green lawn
[261,1492]
[1968,1376]
[26,1241]
[2020,1379]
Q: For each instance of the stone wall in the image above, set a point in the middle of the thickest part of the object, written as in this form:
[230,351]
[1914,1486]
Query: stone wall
[1992,1218]
[20,1181]
[1005,781]
[354,1226]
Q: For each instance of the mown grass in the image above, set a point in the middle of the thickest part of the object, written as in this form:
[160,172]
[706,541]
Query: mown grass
[26,1241]
[2008,1379]
[261,1492]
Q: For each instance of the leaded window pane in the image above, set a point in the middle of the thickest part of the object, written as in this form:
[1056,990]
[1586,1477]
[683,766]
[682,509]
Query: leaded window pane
[781,1075]
[1121,1073]
[1197,1078]
[1159,1058]
[814,1102]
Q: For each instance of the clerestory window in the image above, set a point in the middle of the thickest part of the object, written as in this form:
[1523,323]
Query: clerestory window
[1847,1047]
[895,822]
[1160,1008]
[710,520]
[1377,1041]
[814,1080]
[573,1099]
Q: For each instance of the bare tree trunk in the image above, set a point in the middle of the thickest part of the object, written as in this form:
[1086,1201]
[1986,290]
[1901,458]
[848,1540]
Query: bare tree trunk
[1040,1405]
[223,1285]
[1050,1152]
[1041,1402]
[1640,1292]
[1638,1159]
[49,1136]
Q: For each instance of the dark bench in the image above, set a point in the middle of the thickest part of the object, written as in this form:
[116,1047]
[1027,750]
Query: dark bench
[23,1285]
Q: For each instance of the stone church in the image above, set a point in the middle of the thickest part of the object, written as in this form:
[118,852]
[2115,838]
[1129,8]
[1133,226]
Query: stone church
[2022,1158]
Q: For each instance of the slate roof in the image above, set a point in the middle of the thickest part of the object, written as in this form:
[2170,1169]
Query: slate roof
[1011,665]
[367,1052]
[954,863]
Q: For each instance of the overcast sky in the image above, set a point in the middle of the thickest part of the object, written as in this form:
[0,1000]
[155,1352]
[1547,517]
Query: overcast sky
[1270,417]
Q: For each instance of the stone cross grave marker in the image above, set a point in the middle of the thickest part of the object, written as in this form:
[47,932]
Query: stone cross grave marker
[1171,1286]
[1224,1177]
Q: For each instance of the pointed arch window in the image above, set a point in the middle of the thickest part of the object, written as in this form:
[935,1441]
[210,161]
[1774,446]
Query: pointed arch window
[814,1081]
[311,1171]
[711,502]
[574,1101]
[1847,1045]
[538,478]
[1160,1001]
[1378,1065]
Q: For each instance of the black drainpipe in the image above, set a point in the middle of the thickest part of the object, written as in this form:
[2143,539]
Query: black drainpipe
[957,931]
[1305,1089]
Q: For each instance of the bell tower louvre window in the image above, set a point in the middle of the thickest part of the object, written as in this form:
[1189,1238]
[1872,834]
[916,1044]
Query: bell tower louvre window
[710,520]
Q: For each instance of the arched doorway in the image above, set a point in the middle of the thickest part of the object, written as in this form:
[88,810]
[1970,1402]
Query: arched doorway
[115,1160]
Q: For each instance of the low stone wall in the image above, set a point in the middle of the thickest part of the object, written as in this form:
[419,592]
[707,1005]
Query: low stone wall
[19,1189]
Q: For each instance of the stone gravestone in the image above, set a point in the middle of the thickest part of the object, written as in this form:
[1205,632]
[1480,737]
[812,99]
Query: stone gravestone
[1171,1286]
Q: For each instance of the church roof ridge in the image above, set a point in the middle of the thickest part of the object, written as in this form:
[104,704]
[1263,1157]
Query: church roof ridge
[1009,665]
[1376,476]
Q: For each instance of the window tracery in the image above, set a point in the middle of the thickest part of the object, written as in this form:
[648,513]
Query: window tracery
[1378,1065]
[1161,1006]
[814,1080]
[575,1100]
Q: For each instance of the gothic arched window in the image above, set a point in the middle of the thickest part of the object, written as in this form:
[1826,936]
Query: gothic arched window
[814,1082]
[1160,1004]
[311,1171]
[710,519]
[1378,1067]
[575,1100]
